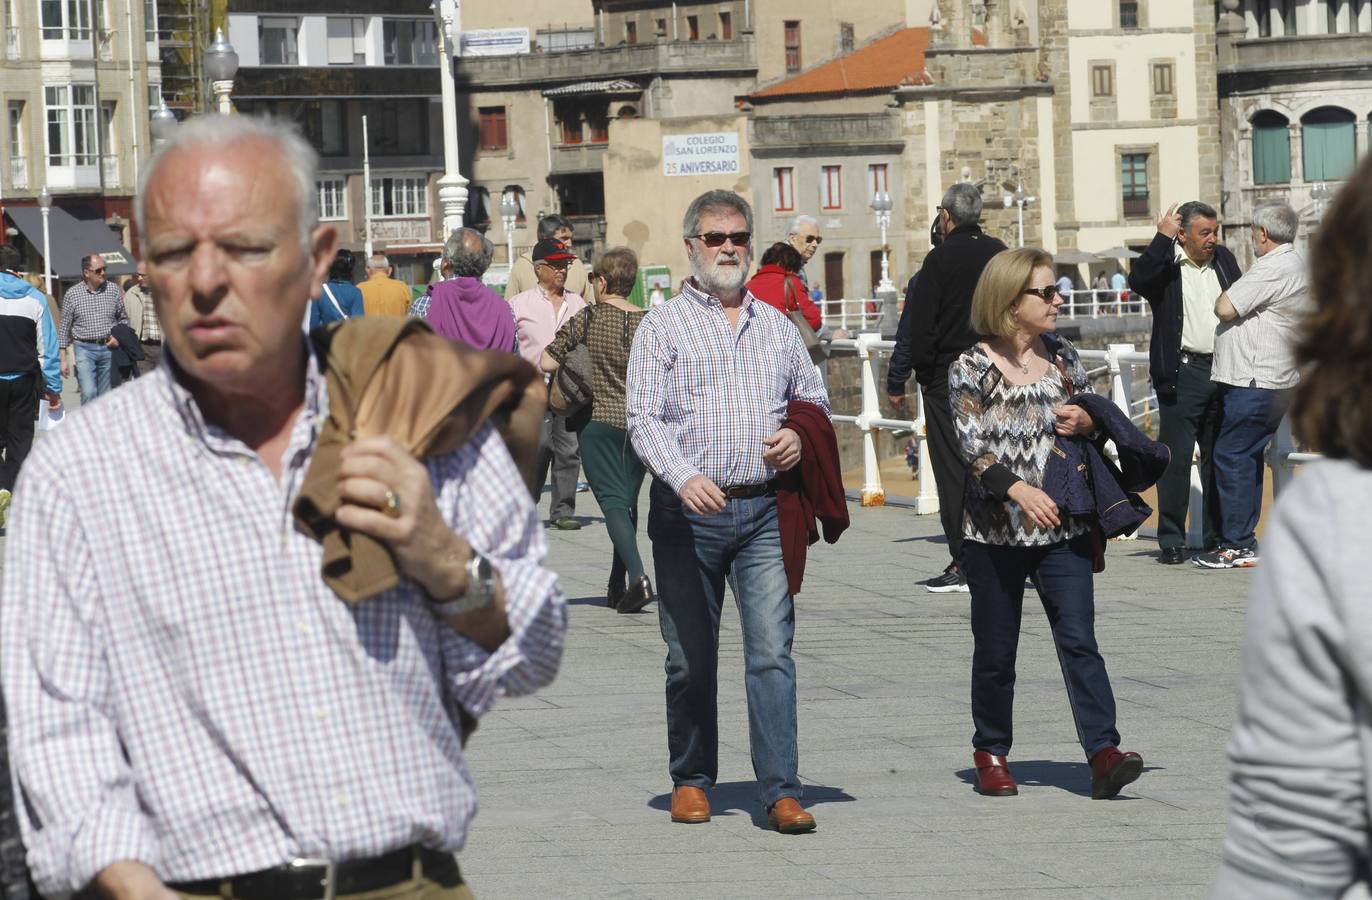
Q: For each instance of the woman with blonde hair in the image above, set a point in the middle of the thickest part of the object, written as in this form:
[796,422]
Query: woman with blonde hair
[1009,397]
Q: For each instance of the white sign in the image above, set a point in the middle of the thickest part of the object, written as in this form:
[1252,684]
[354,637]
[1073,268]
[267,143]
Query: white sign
[700,154]
[495,42]
[402,231]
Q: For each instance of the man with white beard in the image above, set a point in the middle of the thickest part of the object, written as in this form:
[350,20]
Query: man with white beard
[710,376]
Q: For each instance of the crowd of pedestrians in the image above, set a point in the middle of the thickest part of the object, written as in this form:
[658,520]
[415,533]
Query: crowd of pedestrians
[402,448]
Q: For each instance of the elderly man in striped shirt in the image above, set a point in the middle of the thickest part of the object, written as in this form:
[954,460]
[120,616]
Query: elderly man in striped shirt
[193,710]
[710,376]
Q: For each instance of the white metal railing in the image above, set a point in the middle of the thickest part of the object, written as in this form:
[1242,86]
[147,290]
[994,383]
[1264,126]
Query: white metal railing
[19,172]
[1094,304]
[853,315]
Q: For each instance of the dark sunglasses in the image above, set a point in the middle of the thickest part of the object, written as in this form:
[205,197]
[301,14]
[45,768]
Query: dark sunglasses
[717,238]
[97,271]
[1046,294]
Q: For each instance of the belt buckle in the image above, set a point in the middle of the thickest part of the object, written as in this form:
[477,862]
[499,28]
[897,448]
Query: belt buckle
[330,873]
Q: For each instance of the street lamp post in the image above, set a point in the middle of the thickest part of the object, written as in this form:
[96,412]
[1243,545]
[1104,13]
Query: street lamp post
[452,187]
[1021,200]
[162,124]
[1319,193]
[221,64]
[881,205]
[45,207]
[509,214]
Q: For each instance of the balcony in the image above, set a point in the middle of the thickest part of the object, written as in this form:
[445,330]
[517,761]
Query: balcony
[667,57]
[19,173]
[573,159]
[1301,52]
[870,130]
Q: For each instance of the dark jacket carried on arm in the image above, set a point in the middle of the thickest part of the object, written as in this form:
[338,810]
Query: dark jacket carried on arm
[1157,276]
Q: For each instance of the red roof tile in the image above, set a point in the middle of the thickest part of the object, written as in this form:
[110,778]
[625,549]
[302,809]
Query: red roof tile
[886,63]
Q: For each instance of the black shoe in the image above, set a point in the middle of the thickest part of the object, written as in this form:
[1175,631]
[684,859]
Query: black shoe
[949,582]
[639,595]
[1172,556]
[614,593]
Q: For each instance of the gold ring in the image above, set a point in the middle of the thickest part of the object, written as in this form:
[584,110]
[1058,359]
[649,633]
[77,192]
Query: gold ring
[392,507]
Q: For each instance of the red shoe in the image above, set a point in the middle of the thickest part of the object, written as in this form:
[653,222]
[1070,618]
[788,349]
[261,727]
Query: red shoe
[993,776]
[1111,770]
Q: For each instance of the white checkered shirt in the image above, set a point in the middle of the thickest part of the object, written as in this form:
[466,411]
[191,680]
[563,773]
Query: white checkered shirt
[89,315]
[184,690]
[701,397]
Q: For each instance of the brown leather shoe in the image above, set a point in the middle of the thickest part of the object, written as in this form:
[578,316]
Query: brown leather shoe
[1111,770]
[993,776]
[690,805]
[787,816]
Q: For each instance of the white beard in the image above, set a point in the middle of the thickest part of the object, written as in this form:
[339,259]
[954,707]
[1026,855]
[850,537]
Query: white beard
[717,279]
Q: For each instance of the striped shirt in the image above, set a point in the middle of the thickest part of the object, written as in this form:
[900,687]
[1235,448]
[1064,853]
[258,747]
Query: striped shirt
[1258,349]
[188,693]
[702,396]
[89,315]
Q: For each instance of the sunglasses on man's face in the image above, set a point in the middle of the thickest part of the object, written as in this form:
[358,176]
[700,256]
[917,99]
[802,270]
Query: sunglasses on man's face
[97,271]
[717,238]
[1046,294]
[814,239]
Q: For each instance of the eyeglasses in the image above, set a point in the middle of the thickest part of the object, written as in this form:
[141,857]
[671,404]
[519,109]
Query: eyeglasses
[814,239]
[97,271]
[560,265]
[1046,294]
[717,238]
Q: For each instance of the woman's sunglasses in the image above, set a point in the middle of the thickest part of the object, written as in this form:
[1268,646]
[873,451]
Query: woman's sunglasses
[1046,294]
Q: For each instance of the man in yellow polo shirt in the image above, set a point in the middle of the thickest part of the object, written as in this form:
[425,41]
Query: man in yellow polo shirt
[383,295]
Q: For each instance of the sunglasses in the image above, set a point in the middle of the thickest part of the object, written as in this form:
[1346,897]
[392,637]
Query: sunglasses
[1046,294]
[560,265]
[814,239]
[97,271]
[717,238]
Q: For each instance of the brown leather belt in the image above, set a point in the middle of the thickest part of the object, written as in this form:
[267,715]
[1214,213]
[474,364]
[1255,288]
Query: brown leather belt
[320,879]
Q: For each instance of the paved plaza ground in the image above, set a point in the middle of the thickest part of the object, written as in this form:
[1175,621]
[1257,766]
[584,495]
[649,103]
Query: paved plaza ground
[574,785]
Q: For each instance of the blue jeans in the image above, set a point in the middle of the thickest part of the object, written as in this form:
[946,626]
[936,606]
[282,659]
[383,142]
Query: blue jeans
[1062,575]
[92,370]
[693,556]
[1250,419]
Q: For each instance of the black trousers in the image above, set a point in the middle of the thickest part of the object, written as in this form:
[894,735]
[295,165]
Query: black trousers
[18,408]
[1188,418]
[950,472]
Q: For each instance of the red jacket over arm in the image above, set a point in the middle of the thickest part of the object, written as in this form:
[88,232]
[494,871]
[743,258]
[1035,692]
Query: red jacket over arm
[812,490]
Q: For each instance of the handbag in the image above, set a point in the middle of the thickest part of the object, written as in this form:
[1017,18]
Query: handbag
[569,390]
[818,350]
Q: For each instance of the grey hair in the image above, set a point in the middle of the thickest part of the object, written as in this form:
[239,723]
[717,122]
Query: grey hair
[1195,209]
[378,261]
[551,224]
[963,203]
[802,219]
[218,131]
[462,259]
[1279,219]
[714,201]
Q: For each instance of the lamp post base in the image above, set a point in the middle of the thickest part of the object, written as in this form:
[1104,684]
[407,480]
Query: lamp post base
[452,198]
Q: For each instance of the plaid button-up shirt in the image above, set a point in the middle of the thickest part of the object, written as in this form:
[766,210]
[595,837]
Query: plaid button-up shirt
[701,396]
[89,315]
[188,693]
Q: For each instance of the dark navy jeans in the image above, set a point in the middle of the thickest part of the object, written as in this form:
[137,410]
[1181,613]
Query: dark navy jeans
[1062,575]
[693,556]
[1251,417]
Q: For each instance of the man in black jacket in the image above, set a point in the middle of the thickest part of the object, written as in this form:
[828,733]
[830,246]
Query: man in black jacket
[1181,275]
[935,328]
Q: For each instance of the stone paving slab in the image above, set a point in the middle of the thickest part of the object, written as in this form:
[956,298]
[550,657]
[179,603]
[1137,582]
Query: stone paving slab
[574,785]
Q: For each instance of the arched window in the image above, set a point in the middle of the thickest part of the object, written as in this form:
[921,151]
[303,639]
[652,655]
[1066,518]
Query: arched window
[516,193]
[1327,143]
[478,207]
[1271,149]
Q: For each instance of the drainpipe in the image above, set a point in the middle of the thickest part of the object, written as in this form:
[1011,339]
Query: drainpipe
[133,87]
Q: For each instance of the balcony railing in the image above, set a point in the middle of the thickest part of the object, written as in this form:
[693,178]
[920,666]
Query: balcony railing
[702,57]
[860,129]
[19,172]
[572,158]
[1302,51]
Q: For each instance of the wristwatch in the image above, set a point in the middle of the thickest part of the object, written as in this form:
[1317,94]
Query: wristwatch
[480,588]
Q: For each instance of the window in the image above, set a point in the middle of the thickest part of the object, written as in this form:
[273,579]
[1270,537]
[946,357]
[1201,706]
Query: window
[276,40]
[1327,144]
[18,165]
[557,39]
[569,125]
[831,187]
[410,42]
[1129,13]
[108,145]
[783,189]
[347,40]
[68,20]
[333,198]
[1134,184]
[693,28]
[1162,79]
[726,26]
[71,124]
[1271,149]
[878,181]
[631,32]
[1276,18]
[516,193]
[154,97]
[494,135]
[846,40]
[661,28]
[599,122]
[150,21]
[398,127]
[400,196]
[792,47]
[1102,81]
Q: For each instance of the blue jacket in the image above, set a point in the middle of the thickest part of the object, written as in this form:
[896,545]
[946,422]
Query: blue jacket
[1084,482]
[28,338]
[349,297]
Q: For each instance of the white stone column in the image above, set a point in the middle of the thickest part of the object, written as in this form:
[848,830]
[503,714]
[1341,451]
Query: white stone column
[452,187]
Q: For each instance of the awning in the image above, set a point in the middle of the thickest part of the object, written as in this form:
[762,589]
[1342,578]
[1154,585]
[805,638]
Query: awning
[585,88]
[72,238]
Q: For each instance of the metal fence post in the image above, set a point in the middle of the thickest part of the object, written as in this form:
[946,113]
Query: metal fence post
[873,494]
[1282,446]
[927,500]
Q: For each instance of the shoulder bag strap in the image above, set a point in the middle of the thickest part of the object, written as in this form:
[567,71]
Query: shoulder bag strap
[334,301]
[790,301]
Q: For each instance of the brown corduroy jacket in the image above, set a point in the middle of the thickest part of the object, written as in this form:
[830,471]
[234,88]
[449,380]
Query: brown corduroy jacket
[394,376]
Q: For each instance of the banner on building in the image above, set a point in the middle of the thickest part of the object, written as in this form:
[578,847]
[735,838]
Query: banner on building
[700,154]
[495,42]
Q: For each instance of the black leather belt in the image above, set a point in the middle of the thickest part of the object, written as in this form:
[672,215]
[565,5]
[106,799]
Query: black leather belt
[1187,356]
[92,340]
[319,879]
[747,491]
